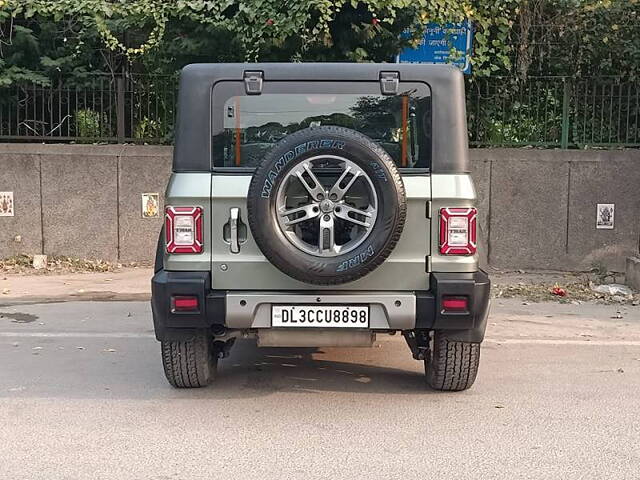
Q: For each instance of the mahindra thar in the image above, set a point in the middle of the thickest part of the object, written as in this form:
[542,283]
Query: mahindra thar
[317,205]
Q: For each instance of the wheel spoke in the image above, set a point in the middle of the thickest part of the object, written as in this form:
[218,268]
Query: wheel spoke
[316,190]
[337,193]
[310,211]
[345,211]
[326,240]
[326,220]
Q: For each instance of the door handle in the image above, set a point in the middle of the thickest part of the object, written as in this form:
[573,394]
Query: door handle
[233,230]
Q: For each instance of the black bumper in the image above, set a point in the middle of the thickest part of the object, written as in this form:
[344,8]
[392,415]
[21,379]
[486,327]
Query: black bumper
[468,326]
[173,325]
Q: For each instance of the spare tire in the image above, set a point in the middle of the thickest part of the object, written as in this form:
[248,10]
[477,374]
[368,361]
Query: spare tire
[327,205]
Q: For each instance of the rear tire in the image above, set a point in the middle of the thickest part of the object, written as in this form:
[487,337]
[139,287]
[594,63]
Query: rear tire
[190,363]
[452,366]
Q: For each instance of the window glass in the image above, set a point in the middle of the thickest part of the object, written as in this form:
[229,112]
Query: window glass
[253,124]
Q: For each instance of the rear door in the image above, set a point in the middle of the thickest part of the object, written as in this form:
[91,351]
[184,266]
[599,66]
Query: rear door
[246,126]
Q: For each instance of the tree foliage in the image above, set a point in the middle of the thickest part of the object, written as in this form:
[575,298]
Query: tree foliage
[577,38]
[74,36]
[40,39]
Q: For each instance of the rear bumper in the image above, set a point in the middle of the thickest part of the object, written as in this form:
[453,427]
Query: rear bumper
[221,310]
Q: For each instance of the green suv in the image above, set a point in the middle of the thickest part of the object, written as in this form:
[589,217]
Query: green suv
[316,205]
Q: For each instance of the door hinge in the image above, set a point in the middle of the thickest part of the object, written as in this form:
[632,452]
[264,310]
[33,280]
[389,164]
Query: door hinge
[429,212]
[428,263]
[389,82]
[253,82]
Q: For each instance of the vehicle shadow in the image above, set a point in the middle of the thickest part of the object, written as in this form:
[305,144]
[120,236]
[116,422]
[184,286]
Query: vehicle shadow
[133,370]
[253,371]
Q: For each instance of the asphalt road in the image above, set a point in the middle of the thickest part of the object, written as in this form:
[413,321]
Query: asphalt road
[82,396]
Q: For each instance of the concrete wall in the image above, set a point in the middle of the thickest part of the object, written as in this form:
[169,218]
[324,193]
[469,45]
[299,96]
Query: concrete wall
[82,200]
[632,273]
[538,207]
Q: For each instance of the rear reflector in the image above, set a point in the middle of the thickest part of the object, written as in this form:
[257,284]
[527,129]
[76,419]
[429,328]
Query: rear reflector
[184,304]
[455,304]
[183,229]
[458,231]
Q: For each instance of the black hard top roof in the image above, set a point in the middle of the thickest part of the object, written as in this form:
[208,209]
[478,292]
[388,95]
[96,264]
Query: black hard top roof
[449,128]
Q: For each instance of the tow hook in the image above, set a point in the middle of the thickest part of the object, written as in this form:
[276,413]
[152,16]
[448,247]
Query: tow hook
[418,343]
[223,349]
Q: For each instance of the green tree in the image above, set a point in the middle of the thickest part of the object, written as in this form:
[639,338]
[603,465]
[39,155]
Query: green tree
[74,37]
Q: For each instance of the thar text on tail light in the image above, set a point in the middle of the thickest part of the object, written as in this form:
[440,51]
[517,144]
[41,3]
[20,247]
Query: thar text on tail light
[458,231]
[183,229]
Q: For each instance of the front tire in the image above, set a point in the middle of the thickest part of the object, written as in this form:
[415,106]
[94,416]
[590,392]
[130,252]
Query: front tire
[452,366]
[189,363]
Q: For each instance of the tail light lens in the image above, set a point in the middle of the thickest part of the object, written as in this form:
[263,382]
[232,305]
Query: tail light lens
[184,303]
[454,304]
[458,231]
[183,229]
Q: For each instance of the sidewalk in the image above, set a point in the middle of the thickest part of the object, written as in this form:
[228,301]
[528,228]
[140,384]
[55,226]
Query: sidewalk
[124,284]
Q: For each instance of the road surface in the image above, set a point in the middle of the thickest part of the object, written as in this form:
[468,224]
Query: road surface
[82,396]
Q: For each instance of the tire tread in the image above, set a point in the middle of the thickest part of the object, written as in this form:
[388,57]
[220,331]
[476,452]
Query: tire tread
[453,365]
[188,363]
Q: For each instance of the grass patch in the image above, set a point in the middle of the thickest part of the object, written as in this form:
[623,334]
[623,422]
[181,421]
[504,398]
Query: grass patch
[23,264]
[576,291]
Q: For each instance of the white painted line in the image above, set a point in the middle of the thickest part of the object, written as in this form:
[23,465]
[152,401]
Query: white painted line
[547,341]
[76,335]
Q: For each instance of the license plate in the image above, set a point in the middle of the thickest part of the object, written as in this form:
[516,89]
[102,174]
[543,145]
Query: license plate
[339,316]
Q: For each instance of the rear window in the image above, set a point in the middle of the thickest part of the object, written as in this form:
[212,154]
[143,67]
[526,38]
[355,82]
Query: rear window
[252,125]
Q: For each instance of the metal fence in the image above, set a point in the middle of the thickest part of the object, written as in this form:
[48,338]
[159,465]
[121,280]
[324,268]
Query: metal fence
[540,111]
[99,108]
[554,112]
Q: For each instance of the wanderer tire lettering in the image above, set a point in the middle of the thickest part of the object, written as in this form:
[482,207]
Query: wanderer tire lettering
[290,155]
[301,149]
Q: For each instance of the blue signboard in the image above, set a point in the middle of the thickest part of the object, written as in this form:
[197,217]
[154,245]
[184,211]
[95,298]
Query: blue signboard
[437,44]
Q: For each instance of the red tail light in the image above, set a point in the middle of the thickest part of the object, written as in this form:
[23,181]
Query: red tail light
[183,229]
[458,231]
[184,304]
[455,304]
